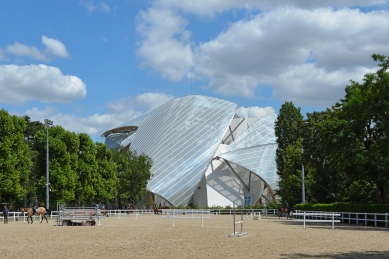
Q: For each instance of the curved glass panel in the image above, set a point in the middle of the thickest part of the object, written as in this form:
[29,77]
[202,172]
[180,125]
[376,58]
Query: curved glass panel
[181,137]
[261,160]
[260,133]
[128,140]
[255,150]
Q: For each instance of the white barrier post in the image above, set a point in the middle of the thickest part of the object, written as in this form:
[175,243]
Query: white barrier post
[304,219]
[202,219]
[234,220]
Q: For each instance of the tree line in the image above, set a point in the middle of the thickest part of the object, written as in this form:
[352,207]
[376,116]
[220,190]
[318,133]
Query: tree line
[344,149]
[80,171]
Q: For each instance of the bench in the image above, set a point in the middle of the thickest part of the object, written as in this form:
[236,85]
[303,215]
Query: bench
[317,217]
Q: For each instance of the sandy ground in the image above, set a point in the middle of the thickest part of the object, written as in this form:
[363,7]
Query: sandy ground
[151,236]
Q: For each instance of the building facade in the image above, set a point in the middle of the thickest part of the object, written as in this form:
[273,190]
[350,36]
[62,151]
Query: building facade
[203,153]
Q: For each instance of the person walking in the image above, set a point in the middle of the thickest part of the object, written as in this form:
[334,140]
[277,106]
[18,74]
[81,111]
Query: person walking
[5,214]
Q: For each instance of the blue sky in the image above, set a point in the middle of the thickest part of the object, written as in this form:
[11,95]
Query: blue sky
[90,65]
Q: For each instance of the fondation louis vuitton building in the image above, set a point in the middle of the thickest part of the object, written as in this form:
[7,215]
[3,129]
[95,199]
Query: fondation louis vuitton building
[203,153]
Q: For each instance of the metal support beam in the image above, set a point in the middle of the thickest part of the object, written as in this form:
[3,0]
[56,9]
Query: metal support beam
[232,132]
[237,175]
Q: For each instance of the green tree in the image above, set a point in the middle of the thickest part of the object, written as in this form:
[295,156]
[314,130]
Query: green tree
[32,128]
[327,178]
[133,173]
[63,164]
[15,160]
[107,179]
[150,201]
[86,169]
[290,183]
[29,133]
[358,129]
[288,127]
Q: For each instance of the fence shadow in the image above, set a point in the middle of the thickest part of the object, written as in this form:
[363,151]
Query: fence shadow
[338,226]
[355,255]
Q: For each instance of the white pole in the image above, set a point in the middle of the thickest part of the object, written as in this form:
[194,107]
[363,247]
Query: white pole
[304,219]
[202,219]
[302,177]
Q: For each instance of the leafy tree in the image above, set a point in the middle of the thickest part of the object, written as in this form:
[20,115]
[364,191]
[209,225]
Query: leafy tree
[86,169]
[133,173]
[32,128]
[29,133]
[106,182]
[290,183]
[15,160]
[150,201]
[63,161]
[357,132]
[327,178]
[288,127]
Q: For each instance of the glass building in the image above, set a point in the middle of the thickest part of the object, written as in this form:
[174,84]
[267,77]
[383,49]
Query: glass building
[203,153]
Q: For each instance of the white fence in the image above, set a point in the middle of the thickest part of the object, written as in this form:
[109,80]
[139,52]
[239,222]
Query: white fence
[186,214]
[264,213]
[317,217]
[358,218]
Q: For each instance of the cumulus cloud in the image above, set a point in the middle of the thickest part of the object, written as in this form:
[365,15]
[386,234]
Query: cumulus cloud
[1,54]
[96,124]
[54,48]
[263,50]
[210,8]
[256,112]
[145,102]
[91,7]
[165,43]
[19,84]
[306,51]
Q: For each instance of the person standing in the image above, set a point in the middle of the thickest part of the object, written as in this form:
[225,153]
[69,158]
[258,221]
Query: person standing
[5,214]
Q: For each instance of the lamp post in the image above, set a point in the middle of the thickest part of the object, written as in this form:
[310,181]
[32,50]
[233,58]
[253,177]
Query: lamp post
[48,123]
[302,177]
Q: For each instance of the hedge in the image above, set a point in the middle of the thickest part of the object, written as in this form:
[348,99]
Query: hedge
[345,207]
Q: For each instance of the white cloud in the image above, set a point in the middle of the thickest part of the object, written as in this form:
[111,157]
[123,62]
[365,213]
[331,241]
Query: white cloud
[267,49]
[309,85]
[96,124]
[256,112]
[165,43]
[302,50]
[210,8]
[23,50]
[145,102]
[19,84]
[91,7]
[54,48]
[1,54]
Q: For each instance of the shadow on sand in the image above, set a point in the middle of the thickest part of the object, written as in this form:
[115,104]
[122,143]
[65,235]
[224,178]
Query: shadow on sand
[357,255]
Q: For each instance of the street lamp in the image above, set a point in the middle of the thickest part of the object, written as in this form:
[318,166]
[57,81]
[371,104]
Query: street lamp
[302,177]
[48,123]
